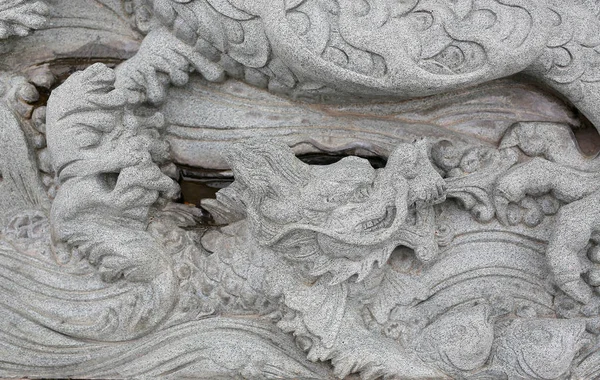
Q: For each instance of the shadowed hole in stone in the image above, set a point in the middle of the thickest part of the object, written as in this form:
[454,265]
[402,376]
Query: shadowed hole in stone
[586,135]
[403,260]
[109,180]
[588,139]
[376,162]
[198,183]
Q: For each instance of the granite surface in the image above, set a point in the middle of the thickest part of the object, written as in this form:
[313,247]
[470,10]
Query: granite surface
[404,189]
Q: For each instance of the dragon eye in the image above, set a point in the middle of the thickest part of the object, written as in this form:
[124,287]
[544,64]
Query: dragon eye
[362,193]
[337,198]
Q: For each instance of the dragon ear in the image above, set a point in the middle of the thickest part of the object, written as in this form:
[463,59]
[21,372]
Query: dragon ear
[266,166]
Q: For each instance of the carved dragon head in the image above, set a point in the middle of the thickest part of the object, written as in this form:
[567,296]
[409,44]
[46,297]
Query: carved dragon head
[342,217]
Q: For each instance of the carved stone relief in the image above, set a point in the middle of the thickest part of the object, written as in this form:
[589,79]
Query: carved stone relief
[403,189]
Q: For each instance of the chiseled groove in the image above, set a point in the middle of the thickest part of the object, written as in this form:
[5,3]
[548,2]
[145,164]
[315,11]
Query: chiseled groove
[472,274]
[42,289]
[494,236]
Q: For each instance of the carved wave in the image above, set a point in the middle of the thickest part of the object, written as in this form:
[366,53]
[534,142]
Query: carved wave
[45,306]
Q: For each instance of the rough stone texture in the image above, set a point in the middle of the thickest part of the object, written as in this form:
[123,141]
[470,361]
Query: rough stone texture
[454,232]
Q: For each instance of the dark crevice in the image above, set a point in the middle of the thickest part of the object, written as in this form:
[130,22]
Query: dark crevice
[376,162]
[200,183]
[587,136]
[44,94]
[588,140]
[109,180]
[194,190]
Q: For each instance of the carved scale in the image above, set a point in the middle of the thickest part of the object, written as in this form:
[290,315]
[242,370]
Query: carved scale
[473,253]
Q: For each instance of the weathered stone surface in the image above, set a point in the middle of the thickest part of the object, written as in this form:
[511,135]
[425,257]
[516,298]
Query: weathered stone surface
[452,233]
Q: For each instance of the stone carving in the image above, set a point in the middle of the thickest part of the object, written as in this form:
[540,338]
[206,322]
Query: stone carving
[318,227]
[324,47]
[18,18]
[469,250]
[557,168]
